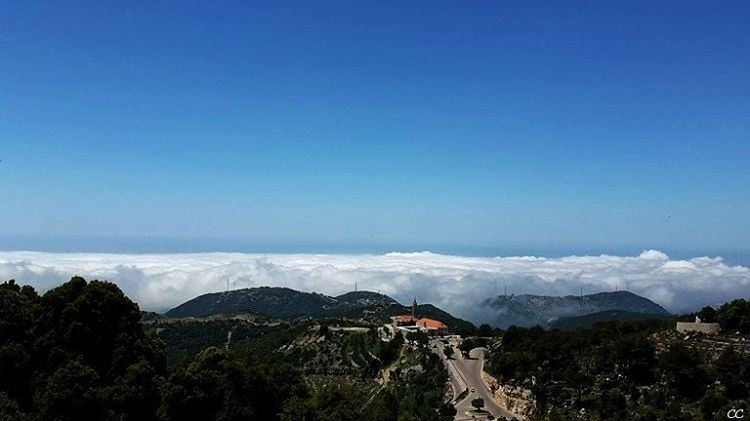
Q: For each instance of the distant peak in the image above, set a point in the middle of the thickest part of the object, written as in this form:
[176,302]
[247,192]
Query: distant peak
[529,309]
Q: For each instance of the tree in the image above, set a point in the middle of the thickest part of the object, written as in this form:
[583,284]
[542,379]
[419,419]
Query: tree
[448,351]
[733,372]
[612,405]
[324,331]
[71,393]
[513,336]
[217,386]
[707,314]
[419,337]
[735,316]
[19,308]
[470,343]
[636,358]
[711,403]
[9,409]
[477,403]
[78,352]
[388,351]
[485,330]
[684,370]
[383,407]
[447,410]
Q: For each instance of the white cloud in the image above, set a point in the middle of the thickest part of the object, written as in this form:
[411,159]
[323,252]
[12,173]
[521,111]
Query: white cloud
[457,284]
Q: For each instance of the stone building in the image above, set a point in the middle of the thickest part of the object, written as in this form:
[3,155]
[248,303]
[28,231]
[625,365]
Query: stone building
[698,326]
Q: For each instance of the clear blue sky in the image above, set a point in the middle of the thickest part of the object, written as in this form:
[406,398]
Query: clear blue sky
[401,124]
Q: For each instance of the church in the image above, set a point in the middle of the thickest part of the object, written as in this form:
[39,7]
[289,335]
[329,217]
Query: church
[412,322]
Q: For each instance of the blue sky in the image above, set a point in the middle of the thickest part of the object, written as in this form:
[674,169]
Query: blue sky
[376,125]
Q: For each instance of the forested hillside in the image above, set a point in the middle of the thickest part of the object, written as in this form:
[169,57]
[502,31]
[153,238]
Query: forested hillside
[284,303]
[627,370]
[588,320]
[80,352]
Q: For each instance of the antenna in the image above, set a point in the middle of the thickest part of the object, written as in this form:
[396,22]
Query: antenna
[506,289]
[581,296]
[355,286]
[227,284]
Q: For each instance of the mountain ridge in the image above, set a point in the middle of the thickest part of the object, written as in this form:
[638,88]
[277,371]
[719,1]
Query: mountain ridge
[529,310]
[286,303]
[589,320]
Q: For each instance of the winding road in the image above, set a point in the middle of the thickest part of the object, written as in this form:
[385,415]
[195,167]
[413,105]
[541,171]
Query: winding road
[465,373]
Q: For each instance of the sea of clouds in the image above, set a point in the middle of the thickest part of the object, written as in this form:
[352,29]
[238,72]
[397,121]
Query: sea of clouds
[455,283]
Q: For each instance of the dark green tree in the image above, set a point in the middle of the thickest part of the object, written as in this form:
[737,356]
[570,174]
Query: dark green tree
[71,393]
[683,368]
[448,351]
[78,352]
[485,330]
[733,371]
[707,315]
[735,316]
[636,358]
[419,337]
[19,308]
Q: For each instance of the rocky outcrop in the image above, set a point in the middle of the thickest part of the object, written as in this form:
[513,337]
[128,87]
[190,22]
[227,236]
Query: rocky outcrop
[515,399]
[711,346]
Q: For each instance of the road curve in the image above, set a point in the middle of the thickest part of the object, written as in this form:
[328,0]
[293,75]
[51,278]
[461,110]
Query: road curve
[466,373]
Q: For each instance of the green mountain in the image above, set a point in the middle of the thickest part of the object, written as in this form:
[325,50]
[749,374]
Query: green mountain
[284,303]
[273,302]
[530,310]
[588,320]
[366,298]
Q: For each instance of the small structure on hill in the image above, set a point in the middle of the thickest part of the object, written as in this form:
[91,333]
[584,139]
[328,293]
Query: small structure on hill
[698,326]
[411,323]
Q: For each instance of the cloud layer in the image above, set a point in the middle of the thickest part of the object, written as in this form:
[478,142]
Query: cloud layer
[455,283]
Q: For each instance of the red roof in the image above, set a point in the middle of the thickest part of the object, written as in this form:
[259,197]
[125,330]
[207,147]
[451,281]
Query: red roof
[404,318]
[431,324]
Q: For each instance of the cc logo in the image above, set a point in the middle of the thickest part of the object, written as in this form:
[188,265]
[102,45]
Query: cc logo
[736,414]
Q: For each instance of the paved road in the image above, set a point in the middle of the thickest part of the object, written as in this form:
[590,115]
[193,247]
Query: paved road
[466,374]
